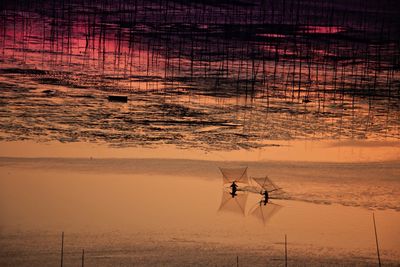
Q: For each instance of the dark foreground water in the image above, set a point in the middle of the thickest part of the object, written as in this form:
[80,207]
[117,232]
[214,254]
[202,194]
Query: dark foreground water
[205,74]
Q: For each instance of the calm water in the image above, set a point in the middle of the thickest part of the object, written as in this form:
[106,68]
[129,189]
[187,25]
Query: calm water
[305,92]
[160,212]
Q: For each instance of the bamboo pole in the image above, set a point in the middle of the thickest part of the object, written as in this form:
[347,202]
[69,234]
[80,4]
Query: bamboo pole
[376,240]
[83,257]
[62,248]
[285,251]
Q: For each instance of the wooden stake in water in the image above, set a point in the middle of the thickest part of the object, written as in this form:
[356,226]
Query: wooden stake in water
[376,239]
[62,248]
[285,251]
[83,257]
[237,261]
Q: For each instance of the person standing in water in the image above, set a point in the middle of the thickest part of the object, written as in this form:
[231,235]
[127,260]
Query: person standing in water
[266,197]
[234,187]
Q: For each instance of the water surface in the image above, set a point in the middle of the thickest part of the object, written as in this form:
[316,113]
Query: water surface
[127,211]
[306,92]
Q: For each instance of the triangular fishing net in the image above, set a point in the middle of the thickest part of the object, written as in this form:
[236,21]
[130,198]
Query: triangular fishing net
[266,184]
[265,212]
[238,175]
[235,204]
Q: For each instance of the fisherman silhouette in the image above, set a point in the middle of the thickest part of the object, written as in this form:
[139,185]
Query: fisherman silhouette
[234,187]
[266,197]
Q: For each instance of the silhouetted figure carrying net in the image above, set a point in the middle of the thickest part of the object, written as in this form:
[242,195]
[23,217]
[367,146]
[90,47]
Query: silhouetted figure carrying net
[266,197]
[234,187]
[267,188]
[237,185]
[234,176]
